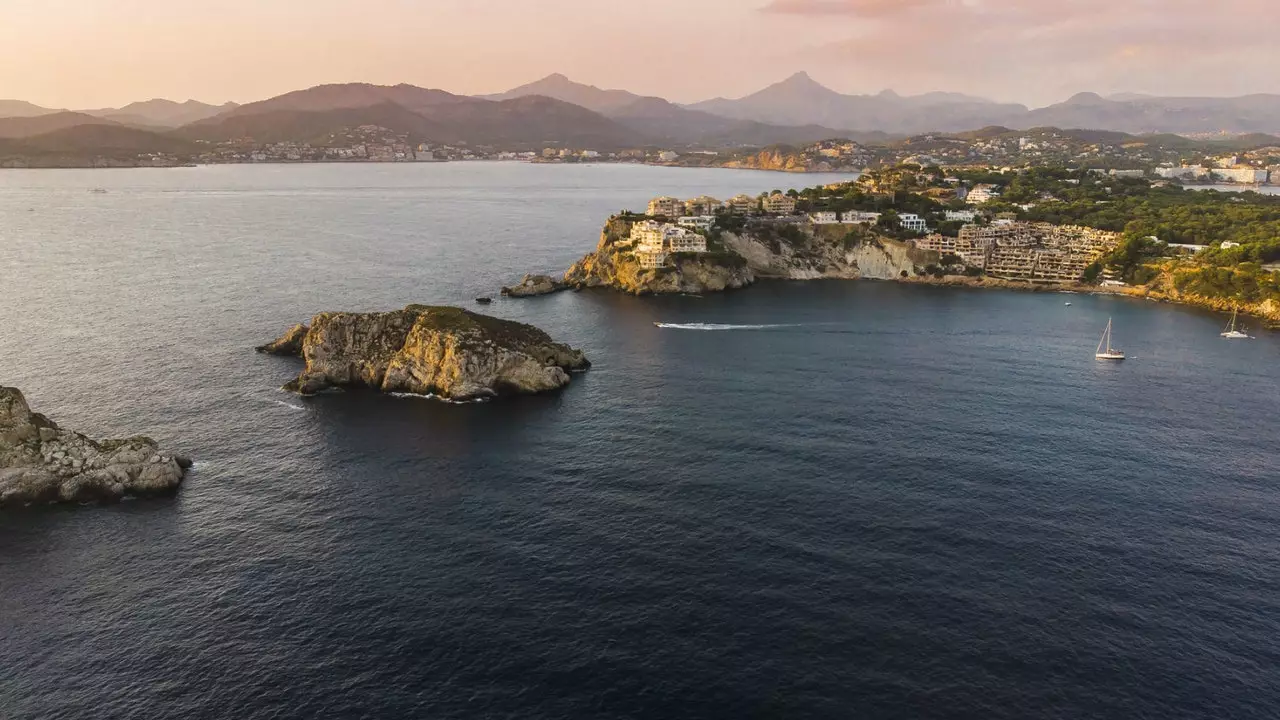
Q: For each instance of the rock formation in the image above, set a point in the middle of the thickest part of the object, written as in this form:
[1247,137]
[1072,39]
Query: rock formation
[812,252]
[442,351]
[612,265]
[289,344]
[760,249]
[40,462]
[534,285]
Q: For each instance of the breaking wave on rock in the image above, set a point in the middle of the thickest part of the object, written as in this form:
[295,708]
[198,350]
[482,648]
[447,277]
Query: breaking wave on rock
[717,326]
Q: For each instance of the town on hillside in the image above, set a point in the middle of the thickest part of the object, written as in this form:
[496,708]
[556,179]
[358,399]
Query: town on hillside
[1038,225]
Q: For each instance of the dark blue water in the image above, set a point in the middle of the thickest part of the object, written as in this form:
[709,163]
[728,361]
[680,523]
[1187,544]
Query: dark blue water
[892,502]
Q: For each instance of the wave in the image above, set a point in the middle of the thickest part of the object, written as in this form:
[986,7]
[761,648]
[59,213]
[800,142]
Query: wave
[291,406]
[437,398]
[718,326]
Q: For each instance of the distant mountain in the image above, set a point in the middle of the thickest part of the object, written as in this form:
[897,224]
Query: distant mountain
[1136,114]
[162,113]
[106,139]
[22,127]
[801,100]
[605,102]
[665,123]
[422,114]
[22,108]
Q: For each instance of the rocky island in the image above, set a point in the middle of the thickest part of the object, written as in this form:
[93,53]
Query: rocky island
[43,463]
[444,352]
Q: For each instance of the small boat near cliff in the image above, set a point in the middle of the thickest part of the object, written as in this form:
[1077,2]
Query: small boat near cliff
[1105,351]
[1232,332]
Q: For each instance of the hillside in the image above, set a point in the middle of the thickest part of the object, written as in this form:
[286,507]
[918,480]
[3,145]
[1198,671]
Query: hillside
[161,113]
[22,108]
[605,102]
[420,114]
[22,127]
[800,100]
[665,123]
[274,126]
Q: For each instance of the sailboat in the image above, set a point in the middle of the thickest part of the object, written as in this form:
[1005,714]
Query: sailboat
[1105,351]
[1233,333]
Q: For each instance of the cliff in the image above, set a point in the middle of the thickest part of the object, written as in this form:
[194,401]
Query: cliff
[812,252]
[442,351]
[40,462]
[612,265]
[759,249]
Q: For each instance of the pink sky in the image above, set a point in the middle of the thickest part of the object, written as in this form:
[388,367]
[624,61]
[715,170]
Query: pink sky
[91,53]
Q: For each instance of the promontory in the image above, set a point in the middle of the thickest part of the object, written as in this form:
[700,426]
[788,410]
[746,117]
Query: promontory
[445,352]
[42,463]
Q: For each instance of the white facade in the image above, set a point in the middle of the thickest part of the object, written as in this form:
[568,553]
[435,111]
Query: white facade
[743,204]
[824,218]
[858,217]
[780,204]
[962,215]
[654,241]
[913,222]
[1128,173]
[696,222]
[666,207]
[668,156]
[982,193]
[1243,174]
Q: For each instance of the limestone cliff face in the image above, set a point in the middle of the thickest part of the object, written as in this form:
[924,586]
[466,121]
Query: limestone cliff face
[442,351]
[40,462]
[783,162]
[805,252]
[612,265]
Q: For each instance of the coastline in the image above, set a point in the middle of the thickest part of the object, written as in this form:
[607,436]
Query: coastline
[1268,312]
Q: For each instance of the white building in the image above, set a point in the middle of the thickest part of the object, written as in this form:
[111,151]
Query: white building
[1227,245]
[1128,173]
[666,207]
[824,218]
[858,217]
[1180,173]
[913,222]
[780,204]
[962,215]
[702,205]
[743,204]
[668,156]
[696,222]
[655,241]
[1242,174]
[590,154]
[981,193]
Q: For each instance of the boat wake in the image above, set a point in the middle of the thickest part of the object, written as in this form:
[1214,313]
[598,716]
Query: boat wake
[291,406]
[717,326]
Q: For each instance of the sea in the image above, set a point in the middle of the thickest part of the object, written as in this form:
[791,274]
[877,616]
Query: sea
[830,499]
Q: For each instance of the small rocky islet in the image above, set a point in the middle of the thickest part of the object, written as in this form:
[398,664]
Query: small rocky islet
[43,463]
[434,351]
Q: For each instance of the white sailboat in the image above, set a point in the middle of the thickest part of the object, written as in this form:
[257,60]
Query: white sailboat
[1105,351]
[1232,332]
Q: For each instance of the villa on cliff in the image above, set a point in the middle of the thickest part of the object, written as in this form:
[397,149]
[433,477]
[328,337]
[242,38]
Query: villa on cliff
[779,204]
[670,207]
[654,242]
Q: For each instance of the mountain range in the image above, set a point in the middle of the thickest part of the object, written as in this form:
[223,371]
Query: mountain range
[557,111]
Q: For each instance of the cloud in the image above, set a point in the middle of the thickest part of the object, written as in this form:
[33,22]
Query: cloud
[1045,50]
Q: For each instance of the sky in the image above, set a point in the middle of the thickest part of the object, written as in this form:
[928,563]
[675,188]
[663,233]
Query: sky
[86,54]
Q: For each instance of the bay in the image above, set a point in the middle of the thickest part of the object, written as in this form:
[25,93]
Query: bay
[830,499]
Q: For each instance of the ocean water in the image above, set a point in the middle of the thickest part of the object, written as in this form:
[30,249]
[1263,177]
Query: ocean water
[799,500]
